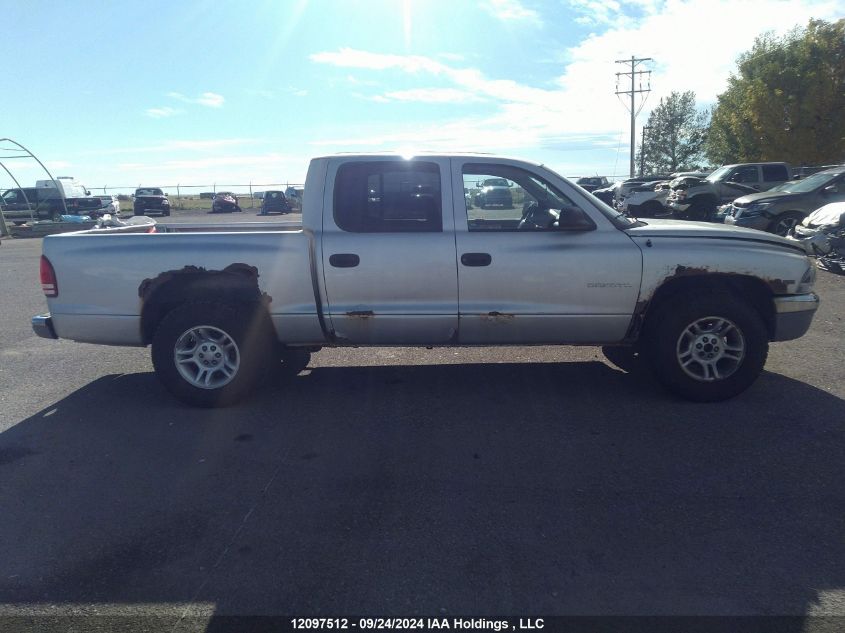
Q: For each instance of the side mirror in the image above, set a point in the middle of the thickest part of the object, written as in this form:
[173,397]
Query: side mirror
[574,219]
[830,189]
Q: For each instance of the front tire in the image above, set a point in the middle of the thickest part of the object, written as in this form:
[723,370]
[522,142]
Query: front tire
[211,354]
[707,346]
[785,222]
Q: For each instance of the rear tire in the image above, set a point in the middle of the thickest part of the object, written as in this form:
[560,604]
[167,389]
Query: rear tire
[211,354]
[706,346]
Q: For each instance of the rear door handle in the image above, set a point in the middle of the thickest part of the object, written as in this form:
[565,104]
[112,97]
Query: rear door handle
[344,260]
[476,259]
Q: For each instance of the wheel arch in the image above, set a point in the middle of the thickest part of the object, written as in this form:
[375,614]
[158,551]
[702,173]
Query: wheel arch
[237,284]
[753,289]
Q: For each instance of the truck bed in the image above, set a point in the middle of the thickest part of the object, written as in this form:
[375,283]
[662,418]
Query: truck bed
[100,273]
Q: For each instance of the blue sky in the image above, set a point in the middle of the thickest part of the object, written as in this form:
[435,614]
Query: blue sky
[201,92]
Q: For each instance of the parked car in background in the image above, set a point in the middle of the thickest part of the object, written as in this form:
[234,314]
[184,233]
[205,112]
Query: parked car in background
[626,186]
[607,194]
[808,170]
[779,211]
[109,204]
[649,200]
[225,202]
[274,202]
[48,200]
[294,196]
[493,192]
[591,183]
[150,200]
[699,198]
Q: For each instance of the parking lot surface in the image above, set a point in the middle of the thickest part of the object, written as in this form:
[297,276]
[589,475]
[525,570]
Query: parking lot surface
[409,481]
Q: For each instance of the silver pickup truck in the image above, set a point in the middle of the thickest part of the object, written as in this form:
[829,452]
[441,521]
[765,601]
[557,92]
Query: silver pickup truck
[388,253]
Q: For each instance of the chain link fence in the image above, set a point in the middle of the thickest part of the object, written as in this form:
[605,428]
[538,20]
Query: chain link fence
[188,197]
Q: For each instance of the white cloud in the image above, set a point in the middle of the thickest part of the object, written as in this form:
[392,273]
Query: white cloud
[511,11]
[430,95]
[595,11]
[354,58]
[208,99]
[162,112]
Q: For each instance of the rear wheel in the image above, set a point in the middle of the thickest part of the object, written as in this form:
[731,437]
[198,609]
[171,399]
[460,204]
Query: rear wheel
[784,223]
[706,346]
[211,354]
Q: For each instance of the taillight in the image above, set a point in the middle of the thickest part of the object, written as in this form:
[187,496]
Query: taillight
[48,278]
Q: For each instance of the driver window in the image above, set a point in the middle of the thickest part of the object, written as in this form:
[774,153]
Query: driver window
[505,198]
[745,174]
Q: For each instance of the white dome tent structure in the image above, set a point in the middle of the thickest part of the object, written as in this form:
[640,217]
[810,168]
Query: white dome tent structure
[17,152]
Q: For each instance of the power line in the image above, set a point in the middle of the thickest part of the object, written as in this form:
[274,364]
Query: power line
[634,74]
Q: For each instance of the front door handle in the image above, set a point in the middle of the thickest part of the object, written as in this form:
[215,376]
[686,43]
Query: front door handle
[476,259]
[344,260]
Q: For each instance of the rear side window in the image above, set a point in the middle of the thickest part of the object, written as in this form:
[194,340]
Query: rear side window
[775,173]
[388,197]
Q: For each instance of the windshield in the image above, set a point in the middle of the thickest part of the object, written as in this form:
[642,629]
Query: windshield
[719,173]
[149,192]
[811,183]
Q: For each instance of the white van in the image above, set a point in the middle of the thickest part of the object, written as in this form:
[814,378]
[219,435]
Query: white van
[66,185]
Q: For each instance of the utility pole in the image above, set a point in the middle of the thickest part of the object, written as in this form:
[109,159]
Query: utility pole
[633,92]
[642,152]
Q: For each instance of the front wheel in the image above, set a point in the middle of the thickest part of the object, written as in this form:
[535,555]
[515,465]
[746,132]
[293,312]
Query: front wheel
[706,347]
[211,354]
[785,222]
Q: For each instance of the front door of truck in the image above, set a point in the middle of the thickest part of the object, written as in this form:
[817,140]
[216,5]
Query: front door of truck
[535,267]
[388,251]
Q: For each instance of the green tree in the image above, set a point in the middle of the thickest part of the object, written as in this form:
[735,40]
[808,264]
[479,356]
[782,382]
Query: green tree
[785,101]
[674,135]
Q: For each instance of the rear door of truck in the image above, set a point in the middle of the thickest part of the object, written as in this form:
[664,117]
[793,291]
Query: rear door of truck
[388,250]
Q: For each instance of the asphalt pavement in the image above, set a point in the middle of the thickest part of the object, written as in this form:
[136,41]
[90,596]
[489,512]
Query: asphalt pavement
[405,481]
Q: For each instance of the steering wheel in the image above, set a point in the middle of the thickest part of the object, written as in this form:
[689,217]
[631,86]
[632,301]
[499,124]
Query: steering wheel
[535,217]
